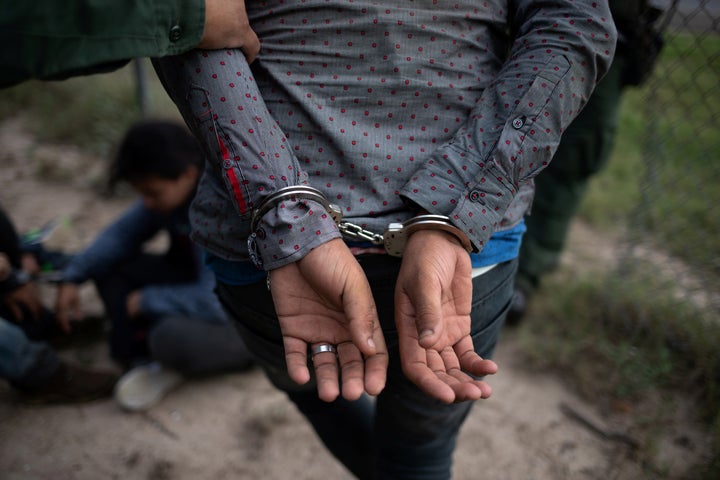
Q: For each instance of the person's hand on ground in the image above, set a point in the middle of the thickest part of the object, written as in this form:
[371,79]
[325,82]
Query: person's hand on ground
[325,298]
[433,298]
[25,298]
[67,305]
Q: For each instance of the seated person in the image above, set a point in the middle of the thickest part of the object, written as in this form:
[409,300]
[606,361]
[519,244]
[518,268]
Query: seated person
[166,321]
[34,369]
[20,300]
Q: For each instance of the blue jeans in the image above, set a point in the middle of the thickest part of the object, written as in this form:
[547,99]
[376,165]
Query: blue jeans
[402,434]
[184,342]
[26,364]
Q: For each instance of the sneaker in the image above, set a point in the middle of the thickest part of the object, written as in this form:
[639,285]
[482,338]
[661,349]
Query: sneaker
[71,384]
[144,386]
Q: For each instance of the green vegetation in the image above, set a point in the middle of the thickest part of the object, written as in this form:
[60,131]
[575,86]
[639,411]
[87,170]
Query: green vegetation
[91,112]
[628,335]
[628,351]
[664,172]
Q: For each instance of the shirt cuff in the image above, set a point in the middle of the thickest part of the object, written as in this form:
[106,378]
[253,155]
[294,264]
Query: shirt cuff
[477,210]
[290,231]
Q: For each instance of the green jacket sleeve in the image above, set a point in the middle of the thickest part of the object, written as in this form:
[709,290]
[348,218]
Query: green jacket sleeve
[56,39]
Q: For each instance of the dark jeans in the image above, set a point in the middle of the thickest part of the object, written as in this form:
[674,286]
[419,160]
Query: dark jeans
[403,434]
[192,346]
[128,337]
[43,328]
[26,364]
[198,347]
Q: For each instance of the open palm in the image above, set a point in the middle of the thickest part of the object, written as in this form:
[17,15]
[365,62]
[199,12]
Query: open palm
[433,298]
[325,298]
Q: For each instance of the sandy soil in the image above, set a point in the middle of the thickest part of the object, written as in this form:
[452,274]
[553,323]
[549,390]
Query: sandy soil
[236,426]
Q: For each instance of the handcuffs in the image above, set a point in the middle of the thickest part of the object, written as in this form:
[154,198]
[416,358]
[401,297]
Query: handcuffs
[394,239]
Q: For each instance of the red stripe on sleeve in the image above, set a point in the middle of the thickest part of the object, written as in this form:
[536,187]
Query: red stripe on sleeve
[232,177]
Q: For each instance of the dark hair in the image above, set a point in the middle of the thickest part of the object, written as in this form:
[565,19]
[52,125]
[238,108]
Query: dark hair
[154,148]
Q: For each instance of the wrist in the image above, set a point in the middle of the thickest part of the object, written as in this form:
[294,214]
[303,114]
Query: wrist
[397,234]
[288,224]
[16,279]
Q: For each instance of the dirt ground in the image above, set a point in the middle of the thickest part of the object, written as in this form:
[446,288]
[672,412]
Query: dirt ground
[236,426]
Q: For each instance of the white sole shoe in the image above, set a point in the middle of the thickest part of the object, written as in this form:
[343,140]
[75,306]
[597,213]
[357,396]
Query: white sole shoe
[144,386]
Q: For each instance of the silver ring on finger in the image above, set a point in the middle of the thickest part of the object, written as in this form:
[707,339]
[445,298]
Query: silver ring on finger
[322,348]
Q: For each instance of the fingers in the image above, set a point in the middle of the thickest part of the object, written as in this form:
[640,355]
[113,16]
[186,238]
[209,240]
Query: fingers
[368,337]
[251,47]
[227,26]
[326,374]
[340,292]
[352,371]
[335,274]
[344,363]
[296,360]
[439,375]
[429,382]
[376,371]
[333,365]
[428,320]
[448,374]
[362,317]
[63,320]
[471,362]
[414,360]
[25,300]
[436,279]
[465,387]
[16,311]
[67,306]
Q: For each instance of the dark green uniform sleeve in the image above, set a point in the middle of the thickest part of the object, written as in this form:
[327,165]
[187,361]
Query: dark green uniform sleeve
[55,39]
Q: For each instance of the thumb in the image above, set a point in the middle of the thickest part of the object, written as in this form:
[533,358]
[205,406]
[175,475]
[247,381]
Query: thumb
[428,317]
[363,322]
[418,300]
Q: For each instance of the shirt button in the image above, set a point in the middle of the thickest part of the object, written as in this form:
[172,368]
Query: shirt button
[476,197]
[518,123]
[227,164]
[175,33]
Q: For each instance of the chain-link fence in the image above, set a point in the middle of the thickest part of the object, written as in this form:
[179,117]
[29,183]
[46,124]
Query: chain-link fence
[673,238]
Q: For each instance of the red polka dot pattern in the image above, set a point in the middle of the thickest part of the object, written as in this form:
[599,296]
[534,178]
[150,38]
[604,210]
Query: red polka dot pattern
[380,103]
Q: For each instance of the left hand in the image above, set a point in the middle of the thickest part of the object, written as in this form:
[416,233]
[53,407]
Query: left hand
[433,298]
[325,298]
[27,296]
[227,26]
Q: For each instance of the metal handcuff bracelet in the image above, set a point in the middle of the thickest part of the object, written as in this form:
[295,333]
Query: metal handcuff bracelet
[393,239]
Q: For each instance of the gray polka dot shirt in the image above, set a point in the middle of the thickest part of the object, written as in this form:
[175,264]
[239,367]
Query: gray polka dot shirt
[386,107]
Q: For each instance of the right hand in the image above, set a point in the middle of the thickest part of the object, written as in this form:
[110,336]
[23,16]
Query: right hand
[227,26]
[67,305]
[433,302]
[326,298]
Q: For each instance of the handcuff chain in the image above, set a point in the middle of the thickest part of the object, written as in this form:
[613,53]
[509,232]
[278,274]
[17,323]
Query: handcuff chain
[356,232]
[393,239]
